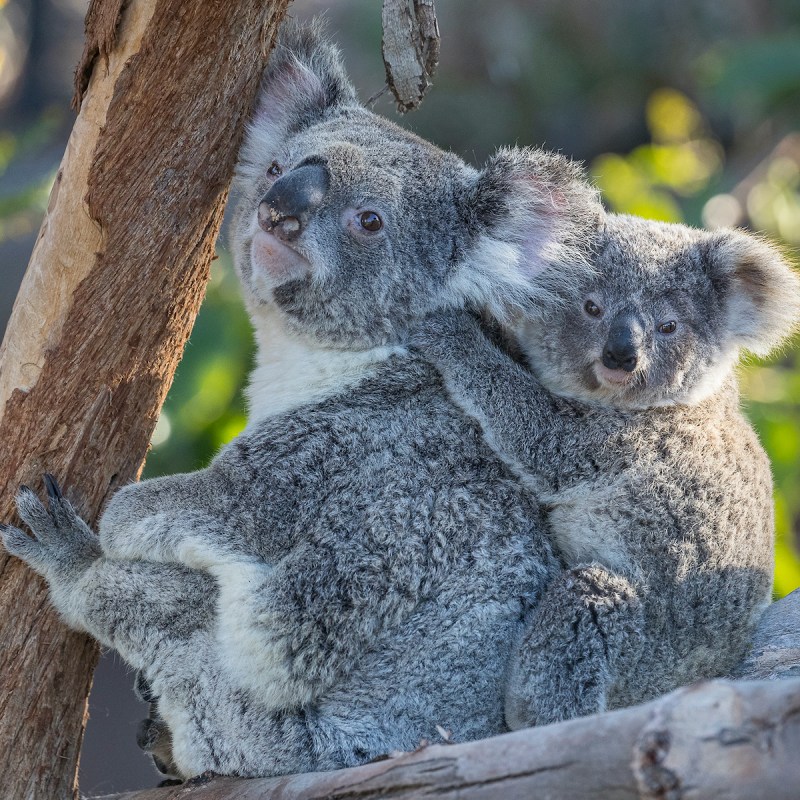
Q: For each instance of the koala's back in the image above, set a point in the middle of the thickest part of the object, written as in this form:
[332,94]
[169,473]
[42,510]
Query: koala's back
[382,468]
[391,494]
[681,499]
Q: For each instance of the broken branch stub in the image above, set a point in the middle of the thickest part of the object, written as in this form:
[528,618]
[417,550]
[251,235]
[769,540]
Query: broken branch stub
[410,49]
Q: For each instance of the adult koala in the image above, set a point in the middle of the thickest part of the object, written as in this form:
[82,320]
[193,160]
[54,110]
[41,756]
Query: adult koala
[373,558]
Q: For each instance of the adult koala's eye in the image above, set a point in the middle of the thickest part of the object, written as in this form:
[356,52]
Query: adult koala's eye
[370,221]
[668,327]
[592,309]
[275,170]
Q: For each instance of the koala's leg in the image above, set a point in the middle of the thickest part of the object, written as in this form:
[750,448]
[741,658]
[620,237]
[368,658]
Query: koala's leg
[153,734]
[583,633]
[155,738]
[290,631]
[173,519]
[133,607]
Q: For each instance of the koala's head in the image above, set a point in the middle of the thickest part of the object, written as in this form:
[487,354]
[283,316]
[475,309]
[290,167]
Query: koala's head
[666,315]
[352,228]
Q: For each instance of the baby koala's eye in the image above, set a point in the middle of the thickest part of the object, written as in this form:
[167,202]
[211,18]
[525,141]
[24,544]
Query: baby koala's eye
[592,309]
[275,170]
[370,221]
[668,327]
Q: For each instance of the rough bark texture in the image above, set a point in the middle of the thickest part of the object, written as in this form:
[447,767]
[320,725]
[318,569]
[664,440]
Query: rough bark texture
[111,292]
[737,740]
[100,36]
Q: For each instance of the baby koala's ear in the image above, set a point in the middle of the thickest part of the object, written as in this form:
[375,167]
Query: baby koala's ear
[538,218]
[760,286]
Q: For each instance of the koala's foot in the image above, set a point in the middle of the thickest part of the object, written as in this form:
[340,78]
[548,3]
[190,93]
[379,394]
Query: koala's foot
[569,655]
[62,546]
[154,737]
[143,690]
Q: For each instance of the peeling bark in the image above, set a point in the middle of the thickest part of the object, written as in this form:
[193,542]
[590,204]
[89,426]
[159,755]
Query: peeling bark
[112,289]
[100,36]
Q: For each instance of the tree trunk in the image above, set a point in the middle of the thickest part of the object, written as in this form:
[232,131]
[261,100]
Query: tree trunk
[108,301]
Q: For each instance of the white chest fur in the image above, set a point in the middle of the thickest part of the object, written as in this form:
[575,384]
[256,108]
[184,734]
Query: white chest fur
[292,371]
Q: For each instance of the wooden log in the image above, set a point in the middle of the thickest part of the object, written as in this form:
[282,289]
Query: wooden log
[112,289]
[776,645]
[737,740]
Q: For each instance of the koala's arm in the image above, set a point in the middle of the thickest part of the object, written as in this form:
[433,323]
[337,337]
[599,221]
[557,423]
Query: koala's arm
[160,618]
[173,519]
[513,409]
[579,640]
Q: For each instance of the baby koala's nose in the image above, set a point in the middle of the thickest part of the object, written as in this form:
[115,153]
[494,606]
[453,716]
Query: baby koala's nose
[620,351]
[285,210]
[620,358]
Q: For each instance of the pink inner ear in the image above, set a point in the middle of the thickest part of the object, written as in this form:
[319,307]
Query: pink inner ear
[292,90]
[544,226]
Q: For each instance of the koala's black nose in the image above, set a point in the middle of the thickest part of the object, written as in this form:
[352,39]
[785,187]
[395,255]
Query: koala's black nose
[287,207]
[621,351]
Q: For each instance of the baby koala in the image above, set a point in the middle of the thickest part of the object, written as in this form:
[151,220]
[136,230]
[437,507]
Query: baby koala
[628,430]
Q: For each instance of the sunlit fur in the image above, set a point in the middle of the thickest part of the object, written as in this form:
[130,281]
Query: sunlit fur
[657,492]
[349,574]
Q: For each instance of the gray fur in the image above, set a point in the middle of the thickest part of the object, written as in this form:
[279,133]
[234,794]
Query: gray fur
[363,559]
[657,491]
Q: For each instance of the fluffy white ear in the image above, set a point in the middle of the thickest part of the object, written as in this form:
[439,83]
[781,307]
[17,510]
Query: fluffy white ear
[761,287]
[537,219]
[304,80]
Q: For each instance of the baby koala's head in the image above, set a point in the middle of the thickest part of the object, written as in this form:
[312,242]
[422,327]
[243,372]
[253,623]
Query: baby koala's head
[665,317]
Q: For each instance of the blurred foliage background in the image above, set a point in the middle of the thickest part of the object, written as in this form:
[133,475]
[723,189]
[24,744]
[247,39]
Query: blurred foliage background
[683,111]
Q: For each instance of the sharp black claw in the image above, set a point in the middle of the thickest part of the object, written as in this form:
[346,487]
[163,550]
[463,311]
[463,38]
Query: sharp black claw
[24,488]
[53,489]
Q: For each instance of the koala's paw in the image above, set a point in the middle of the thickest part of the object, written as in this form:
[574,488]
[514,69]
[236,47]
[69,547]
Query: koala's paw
[154,737]
[553,691]
[62,545]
